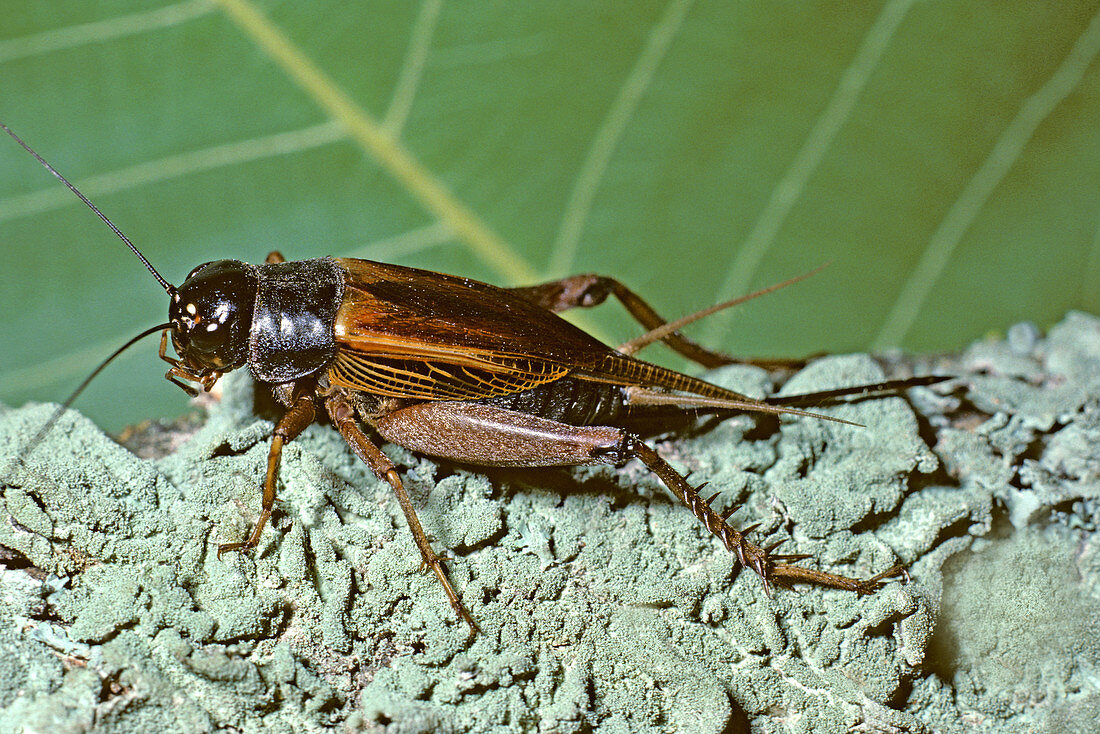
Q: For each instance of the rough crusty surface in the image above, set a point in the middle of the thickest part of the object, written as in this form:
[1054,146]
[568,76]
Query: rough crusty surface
[604,606]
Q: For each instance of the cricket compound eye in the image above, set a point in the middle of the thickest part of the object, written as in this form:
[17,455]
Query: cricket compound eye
[212,315]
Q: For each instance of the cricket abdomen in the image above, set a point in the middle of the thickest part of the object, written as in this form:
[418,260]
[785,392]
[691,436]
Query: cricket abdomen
[568,400]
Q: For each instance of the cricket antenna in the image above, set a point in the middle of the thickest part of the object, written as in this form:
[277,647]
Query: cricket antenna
[20,460]
[168,287]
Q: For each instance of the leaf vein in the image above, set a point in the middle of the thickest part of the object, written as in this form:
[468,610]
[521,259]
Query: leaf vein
[420,44]
[789,188]
[421,183]
[975,195]
[101,31]
[177,166]
[610,131]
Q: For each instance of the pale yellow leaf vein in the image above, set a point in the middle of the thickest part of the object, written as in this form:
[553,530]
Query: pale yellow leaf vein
[177,166]
[420,43]
[424,186]
[51,371]
[101,31]
[788,190]
[610,131]
[405,243]
[491,52]
[1005,152]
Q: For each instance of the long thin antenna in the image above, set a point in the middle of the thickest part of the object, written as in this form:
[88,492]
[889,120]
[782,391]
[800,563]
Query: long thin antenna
[168,287]
[9,473]
[664,330]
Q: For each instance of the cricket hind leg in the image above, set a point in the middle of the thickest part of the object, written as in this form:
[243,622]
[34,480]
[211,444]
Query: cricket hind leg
[776,569]
[588,290]
[494,436]
[342,414]
[585,291]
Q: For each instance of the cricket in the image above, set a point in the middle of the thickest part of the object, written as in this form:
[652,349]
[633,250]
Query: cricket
[461,370]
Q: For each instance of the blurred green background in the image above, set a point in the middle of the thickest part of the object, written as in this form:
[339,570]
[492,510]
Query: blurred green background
[944,156]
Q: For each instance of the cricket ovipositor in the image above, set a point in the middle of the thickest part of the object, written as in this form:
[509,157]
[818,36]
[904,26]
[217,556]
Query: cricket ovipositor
[458,369]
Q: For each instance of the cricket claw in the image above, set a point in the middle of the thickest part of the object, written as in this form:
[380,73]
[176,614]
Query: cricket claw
[785,574]
[779,570]
[873,584]
[234,548]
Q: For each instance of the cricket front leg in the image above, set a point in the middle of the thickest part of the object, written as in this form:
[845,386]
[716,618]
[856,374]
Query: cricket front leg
[343,417]
[293,422]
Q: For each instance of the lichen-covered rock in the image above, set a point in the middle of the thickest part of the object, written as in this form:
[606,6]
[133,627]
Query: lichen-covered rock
[603,605]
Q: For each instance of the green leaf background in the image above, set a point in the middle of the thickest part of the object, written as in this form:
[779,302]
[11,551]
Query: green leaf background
[943,156]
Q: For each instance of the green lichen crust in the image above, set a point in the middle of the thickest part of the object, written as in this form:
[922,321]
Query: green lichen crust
[604,606]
